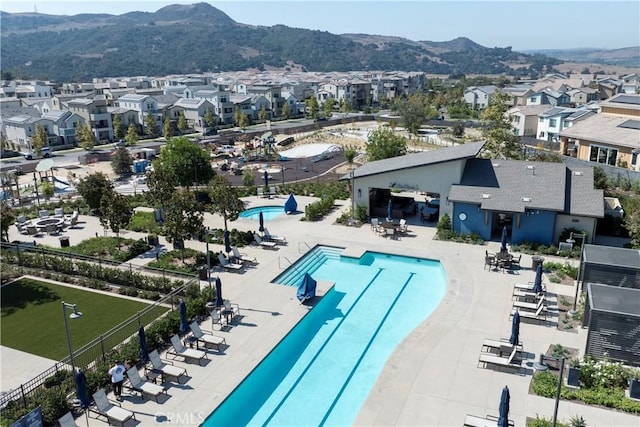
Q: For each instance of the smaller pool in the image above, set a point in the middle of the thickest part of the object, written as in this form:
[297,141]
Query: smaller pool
[268,212]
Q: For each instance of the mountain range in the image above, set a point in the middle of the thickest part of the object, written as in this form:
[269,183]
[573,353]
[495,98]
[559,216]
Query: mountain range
[196,38]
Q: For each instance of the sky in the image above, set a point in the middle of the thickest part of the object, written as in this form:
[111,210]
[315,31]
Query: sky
[523,25]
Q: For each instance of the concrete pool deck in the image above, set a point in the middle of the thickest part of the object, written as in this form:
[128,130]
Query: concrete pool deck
[431,379]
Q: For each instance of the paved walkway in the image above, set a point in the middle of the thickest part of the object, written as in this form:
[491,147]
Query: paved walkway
[431,379]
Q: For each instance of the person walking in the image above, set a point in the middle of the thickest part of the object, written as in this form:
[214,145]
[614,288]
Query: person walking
[117,378]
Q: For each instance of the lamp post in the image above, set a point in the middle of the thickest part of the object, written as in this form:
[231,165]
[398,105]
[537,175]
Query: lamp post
[75,315]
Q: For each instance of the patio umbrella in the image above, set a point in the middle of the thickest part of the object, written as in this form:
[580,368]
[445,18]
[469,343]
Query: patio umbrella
[291,205]
[389,210]
[144,353]
[503,409]
[182,307]
[227,242]
[503,242]
[81,389]
[219,302]
[266,178]
[307,288]
[537,283]
[515,329]
[261,222]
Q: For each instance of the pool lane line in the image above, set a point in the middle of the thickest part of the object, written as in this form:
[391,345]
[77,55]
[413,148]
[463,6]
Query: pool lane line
[304,371]
[365,350]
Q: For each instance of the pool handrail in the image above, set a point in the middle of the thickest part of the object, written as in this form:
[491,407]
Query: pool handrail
[290,264]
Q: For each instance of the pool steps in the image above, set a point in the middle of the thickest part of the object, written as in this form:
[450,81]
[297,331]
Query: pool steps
[309,263]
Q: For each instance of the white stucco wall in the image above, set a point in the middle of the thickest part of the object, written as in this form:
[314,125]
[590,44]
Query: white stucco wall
[569,221]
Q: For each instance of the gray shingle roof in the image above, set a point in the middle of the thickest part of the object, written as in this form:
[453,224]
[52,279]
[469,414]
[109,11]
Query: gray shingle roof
[414,160]
[609,255]
[514,186]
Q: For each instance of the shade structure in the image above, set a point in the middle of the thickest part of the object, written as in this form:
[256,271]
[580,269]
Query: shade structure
[219,302]
[537,283]
[227,241]
[266,178]
[503,241]
[81,389]
[515,329]
[261,222]
[307,288]
[291,205]
[44,165]
[182,308]
[503,409]
[144,352]
[390,210]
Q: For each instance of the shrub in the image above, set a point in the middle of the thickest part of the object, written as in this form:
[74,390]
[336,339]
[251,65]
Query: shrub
[144,222]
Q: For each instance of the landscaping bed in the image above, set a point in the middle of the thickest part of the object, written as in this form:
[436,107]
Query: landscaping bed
[109,248]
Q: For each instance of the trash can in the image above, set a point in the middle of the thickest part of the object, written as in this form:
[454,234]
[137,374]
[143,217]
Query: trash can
[152,239]
[536,260]
[64,241]
[202,272]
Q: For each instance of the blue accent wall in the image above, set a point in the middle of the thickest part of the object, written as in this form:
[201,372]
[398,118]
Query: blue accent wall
[535,227]
[474,222]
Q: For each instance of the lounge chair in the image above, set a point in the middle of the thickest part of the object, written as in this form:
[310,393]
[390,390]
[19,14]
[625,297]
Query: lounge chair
[67,420]
[71,222]
[492,359]
[206,339]
[58,213]
[229,265]
[488,421]
[527,286]
[188,354]
[242,257]
[526,296]
[539,314]
[43,213]
[260,192]
[108,409]
[142,386]
[230,310]
[166,367]
[22,220]
[263,243]
[272,238]
[499,346]
[272,192]
[531,306]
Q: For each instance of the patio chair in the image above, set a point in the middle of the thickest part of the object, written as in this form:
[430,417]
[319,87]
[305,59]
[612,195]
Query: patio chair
[487,359]
[229,265]
[515,262]
[493,346]
[272,238]
[188,354]
[539,314]
[22,220]
[206,339]
[67,420]
[22,228]
[112,411]
[263,243]
[260,192]
[71,222]
[403,228]
[375,223]
[43,213]
[390,232]
[32,230]
[142,386]
[216,319]
[166,367]
[526,296]
[58,213]
[230,310]
[242,257]
[272,192]
[51,229]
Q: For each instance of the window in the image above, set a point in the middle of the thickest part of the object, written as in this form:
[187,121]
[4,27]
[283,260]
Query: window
[534,99]
[541,120]
[634,159]
[552,123]
[603,155]
[516,119]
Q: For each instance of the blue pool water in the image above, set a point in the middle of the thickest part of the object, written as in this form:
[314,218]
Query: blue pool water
[323,370]
[268,212]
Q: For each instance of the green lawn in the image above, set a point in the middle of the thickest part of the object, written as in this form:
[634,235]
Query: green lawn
[32,317]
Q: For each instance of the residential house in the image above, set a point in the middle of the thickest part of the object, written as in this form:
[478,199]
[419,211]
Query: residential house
[524,119]
[194,111]
[631,83]
[94,112]
[19,129]
[479,97]
[143,105]
[549,97]
[518,94]
[273,94]
[62,130]
[608,87]
[242,103]
[611,137]
[126,117]
[582,96]
[219,99]
[552,122]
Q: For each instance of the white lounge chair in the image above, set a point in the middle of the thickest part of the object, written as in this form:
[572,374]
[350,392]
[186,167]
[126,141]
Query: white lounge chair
[272,238]
[527,286]
[531,306]
[539,314]
[188,354]
[242,257]
[272,192]
[263,243]
[111,410]
[206,339]
[492,359]
[216,318]
[142,386]
[67,420]
[229,265]
[230,310]
[260,192]
[166,367]
[58,213]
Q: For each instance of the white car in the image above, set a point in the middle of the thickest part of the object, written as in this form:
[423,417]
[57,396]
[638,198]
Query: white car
[30,155]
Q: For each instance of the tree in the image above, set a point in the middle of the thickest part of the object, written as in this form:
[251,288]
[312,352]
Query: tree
[210,119]
[121,161]
[248,177]
[7,218]
[182,122]
[167,129]
[286,111]
[183,217]
[161,185]
[150,124]
[262,114]
[224,199]
[501,141]
[344,106]
[118,130]
[458,129]
[384,143]
[132,135]
[414,111]
[48,190]
[600,179]
[186,162]
[327,107]
[350,153]
[39,140]
[93,187]
[85,136]
[312,107]
[244,122]
[115,212]
[632,222]
[237,115]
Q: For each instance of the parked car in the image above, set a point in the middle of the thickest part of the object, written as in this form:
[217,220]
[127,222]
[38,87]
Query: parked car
[30,155]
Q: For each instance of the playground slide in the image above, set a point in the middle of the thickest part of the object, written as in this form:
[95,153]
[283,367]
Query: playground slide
[61,181]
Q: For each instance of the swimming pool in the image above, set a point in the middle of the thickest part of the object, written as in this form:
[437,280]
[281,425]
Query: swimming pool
[323,370]
[268,212]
